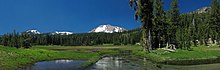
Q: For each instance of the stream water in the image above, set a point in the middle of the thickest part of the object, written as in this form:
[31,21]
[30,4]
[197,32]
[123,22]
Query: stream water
[120,62]
[56,65]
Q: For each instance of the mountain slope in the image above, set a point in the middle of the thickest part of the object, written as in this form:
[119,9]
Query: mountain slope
[108,29]
[202,10]
[33,31]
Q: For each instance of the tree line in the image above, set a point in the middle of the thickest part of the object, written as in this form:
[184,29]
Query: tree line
[163,28]
[82,39]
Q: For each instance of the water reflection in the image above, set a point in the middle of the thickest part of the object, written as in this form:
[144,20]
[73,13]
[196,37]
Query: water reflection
[109,62]
[63,61]
[56,65]
[129,63]
[114,63]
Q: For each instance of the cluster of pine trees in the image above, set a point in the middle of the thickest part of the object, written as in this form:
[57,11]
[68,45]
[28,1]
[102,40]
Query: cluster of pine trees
[16,40]
[85,39]
[183,30]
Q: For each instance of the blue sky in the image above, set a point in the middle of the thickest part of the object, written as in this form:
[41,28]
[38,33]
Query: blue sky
[74,15]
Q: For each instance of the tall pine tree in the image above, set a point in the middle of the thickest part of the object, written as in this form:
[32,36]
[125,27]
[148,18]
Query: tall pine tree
[144,13]
[158,23]
[214,19]
[173,16]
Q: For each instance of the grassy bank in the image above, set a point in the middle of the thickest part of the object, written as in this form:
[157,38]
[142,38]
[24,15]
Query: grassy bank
[199,55]
[12,58]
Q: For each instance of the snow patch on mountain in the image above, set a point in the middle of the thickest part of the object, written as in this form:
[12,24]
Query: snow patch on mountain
[62,33]
[33,31]
[202,10]
[108,29]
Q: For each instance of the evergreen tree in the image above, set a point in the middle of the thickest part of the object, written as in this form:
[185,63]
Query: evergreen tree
[173,16]
[144,13]
[214,19]
[158,23]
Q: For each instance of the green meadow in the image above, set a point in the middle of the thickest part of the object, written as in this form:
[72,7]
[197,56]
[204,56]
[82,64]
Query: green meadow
[12,58]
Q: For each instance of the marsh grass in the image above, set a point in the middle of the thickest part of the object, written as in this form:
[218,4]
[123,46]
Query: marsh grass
[12,58]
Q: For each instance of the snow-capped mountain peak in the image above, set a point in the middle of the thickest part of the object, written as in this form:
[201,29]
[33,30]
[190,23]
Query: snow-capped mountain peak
[108,29]
[63,33]
[33,31]
[202,10]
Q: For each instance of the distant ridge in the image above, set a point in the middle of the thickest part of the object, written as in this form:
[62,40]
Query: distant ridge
[34,31]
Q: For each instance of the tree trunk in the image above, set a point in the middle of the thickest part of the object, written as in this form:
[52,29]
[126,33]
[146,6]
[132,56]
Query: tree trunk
[145,39]
[149,40]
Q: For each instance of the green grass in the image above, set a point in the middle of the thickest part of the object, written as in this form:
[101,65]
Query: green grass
[12,58]
[107,45]
[198,53]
